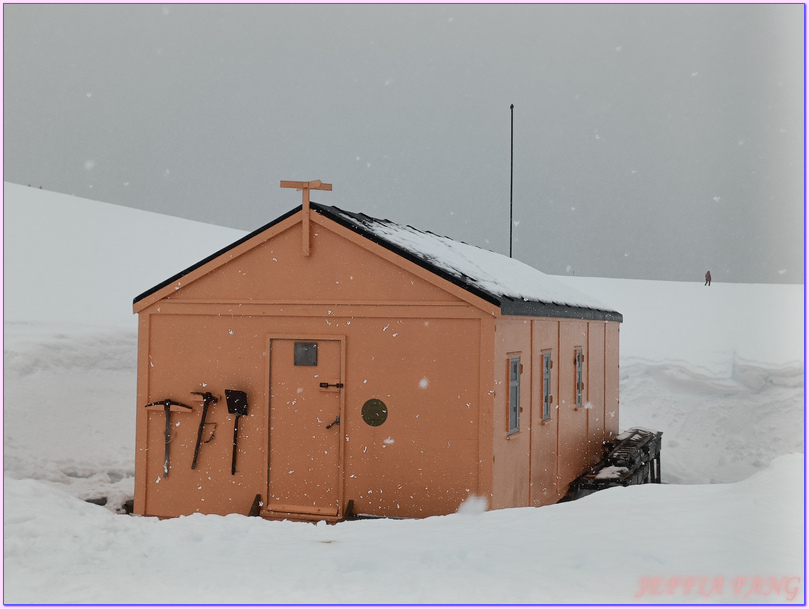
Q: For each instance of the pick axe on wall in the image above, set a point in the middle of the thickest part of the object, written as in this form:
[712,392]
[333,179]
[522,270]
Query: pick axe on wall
[207,400]
[237,405]
[168,405]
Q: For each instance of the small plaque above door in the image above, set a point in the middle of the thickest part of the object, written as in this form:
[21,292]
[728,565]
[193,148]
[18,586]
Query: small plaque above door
[306,354]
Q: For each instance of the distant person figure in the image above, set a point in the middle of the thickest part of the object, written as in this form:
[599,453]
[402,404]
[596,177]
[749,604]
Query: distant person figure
[708,278]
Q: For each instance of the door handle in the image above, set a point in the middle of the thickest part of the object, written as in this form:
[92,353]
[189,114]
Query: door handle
[335,422]
[327,385]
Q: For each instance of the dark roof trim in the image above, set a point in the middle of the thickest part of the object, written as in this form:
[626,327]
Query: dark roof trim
[215,255]
[529,308]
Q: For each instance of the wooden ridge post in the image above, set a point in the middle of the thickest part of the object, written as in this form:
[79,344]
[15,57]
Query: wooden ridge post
[305,187]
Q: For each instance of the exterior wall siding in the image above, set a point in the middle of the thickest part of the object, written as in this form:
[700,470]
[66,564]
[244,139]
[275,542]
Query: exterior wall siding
[432,354]
[511,451]
[572,444]
[422,461]
[612,368]
[420,356]
[544,434]
[595,394]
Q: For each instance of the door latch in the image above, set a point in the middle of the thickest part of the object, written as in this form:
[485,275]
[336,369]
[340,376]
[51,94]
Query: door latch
[327,385]
[335,422]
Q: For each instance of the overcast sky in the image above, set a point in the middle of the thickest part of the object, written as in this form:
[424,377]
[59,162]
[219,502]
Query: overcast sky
[653,141]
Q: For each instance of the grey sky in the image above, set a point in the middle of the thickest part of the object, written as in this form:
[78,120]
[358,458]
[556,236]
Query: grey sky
[652,141]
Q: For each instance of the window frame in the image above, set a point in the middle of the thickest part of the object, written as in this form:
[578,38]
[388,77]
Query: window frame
[304,353]
[546,358]
[578,379]
[514,395]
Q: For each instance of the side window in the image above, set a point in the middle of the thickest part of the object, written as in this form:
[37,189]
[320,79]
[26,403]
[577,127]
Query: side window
[514,369]
[579,377]
[547,398]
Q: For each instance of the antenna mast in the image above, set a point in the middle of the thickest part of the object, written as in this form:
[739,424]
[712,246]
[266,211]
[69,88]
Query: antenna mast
[511,191]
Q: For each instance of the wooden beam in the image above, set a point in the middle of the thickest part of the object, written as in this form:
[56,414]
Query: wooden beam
[305,187]
[313,185]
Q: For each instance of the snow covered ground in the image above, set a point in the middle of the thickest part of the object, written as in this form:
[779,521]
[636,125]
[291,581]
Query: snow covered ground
[719,370]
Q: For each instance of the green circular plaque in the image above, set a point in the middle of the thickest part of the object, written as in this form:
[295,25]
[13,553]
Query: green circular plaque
[374,412]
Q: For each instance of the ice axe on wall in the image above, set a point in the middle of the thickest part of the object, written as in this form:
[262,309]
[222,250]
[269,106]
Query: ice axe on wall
[237,405]
[207,399]
[168,405]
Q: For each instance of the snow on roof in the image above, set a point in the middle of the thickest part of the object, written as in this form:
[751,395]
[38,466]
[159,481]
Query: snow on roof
[489,272]
[518,289]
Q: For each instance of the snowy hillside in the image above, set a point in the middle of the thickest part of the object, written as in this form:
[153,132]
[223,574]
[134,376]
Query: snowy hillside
[80,261]
[719,370]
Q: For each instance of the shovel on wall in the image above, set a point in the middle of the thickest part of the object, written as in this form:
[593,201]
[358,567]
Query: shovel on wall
[168,405]
[237,405]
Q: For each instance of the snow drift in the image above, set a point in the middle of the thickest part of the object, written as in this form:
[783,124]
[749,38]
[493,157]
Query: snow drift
[719,370]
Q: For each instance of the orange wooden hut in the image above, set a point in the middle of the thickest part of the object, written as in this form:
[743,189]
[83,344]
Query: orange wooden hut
[366,368]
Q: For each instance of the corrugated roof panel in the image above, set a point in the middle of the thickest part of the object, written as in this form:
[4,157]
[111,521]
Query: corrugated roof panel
[515,286]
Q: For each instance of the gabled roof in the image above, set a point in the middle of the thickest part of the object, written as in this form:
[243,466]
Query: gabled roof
[516,288]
